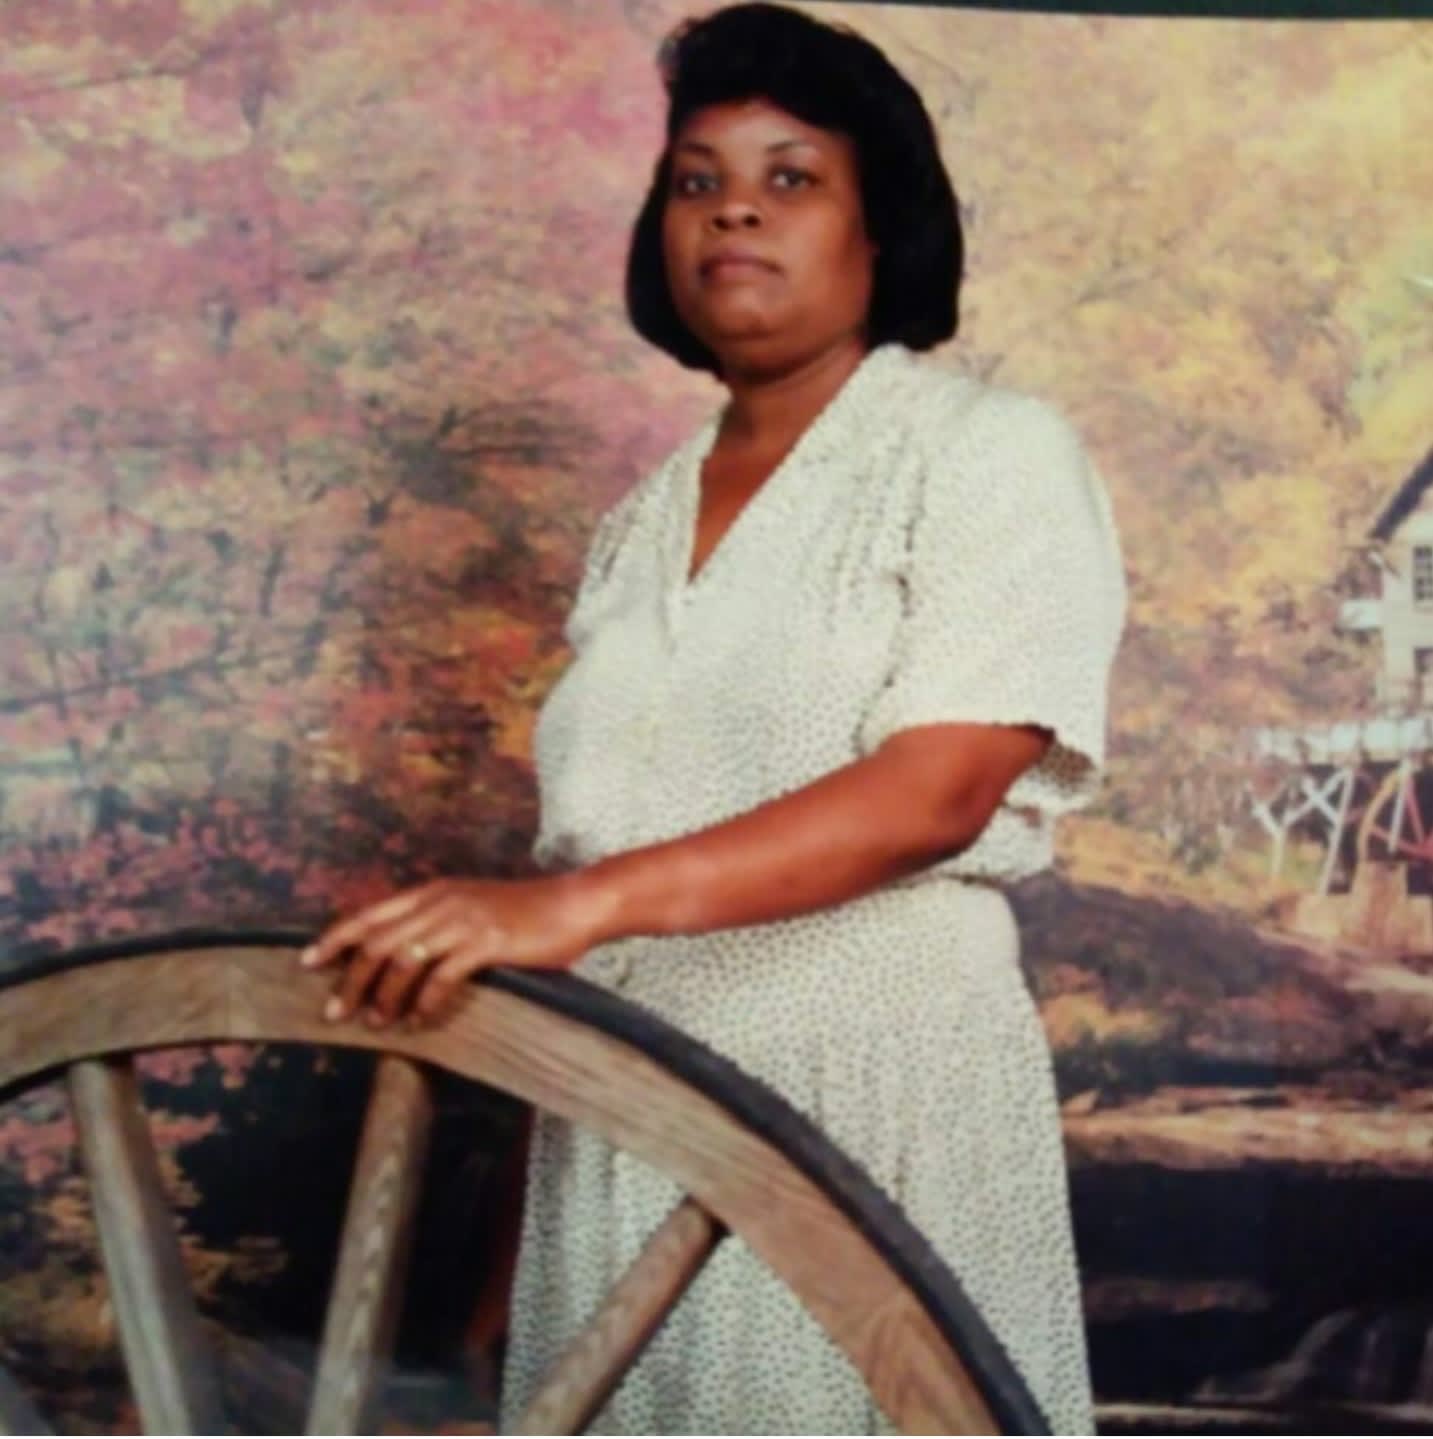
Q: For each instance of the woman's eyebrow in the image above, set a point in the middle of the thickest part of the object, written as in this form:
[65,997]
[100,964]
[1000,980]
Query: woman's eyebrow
[703,148]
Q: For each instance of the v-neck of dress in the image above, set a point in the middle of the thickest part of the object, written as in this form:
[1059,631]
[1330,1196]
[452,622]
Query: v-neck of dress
[693,530]
[766,499]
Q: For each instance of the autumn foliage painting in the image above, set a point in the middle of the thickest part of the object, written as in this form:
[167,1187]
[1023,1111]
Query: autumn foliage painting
[314,379]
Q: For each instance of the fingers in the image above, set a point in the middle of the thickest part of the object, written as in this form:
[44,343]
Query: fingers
[411,953]
[388,955]
[396,984]
[352,931]
[412,967]
[391,947]
[444,982]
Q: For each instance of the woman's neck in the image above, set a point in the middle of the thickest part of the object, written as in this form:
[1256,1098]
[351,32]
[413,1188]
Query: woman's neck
[767,411]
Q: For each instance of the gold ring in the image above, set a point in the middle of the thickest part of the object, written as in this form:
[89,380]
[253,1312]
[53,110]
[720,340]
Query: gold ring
[417,952]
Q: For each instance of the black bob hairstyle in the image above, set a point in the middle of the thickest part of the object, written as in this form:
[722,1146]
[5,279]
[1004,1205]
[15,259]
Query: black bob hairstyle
[830,77]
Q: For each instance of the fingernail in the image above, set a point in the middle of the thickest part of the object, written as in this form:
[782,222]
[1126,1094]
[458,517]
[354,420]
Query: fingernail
[373,1019]
[333,1009]
[309,957]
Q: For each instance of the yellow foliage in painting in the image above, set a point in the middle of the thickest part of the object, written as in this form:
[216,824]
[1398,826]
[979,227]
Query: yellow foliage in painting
[1280,527]
[1401,418]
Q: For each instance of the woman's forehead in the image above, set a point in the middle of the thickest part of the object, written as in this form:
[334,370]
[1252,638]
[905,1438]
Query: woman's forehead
[751,123]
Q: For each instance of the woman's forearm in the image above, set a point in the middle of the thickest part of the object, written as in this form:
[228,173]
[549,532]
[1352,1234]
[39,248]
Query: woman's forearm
[928,791]
[861,826]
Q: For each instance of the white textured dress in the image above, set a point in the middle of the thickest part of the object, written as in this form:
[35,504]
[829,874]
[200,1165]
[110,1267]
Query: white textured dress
[932,550]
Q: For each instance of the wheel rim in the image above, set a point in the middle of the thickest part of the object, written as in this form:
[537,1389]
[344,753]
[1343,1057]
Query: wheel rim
[571,1047]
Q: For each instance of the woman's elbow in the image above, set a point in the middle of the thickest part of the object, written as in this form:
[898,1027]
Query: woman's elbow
[955,777]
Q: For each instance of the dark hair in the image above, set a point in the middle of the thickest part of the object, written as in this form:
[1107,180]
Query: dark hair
[830,77]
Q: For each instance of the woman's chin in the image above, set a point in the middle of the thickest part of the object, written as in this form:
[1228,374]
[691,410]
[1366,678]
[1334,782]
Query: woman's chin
[747,338]
[735,316]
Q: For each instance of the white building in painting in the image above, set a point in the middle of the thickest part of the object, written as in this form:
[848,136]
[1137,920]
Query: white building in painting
[1364,785]
[1401,543]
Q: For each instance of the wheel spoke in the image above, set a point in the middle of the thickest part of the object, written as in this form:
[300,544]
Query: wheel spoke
[1415,810]
[170,1366]
[367,1295]
[612,1340]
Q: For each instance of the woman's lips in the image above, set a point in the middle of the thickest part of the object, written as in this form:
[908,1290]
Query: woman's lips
[734,267]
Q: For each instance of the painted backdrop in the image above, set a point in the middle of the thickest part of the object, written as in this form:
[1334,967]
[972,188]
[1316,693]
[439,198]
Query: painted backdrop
[314,377]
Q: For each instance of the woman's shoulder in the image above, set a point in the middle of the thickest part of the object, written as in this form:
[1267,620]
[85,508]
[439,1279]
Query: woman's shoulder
[953,407]
[1007,454]
[978,435]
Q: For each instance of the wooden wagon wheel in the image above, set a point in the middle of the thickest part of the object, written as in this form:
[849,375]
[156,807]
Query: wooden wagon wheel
[748,1163]
[1393,826]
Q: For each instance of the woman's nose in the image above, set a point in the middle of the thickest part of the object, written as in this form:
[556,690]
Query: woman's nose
[735,214]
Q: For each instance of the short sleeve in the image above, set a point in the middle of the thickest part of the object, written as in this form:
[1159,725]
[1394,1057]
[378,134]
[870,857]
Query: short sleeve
[1014,595]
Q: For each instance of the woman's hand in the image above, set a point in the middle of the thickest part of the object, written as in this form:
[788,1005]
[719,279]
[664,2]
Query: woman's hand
[407,955]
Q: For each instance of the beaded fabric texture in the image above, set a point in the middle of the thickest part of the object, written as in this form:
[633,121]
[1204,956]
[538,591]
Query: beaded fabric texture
[932,550]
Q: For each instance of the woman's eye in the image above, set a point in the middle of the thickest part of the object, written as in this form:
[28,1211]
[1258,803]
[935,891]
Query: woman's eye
[691,183]
[697,182]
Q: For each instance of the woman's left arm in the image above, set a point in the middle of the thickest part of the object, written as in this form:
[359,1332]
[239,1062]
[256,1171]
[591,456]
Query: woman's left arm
[924,794]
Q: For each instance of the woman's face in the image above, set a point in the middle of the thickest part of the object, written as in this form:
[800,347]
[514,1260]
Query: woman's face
[763,235]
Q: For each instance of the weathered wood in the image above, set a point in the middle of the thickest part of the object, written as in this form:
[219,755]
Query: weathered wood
[560,1065]
[17,1414]
[611,1341]
[367,1294]
[170,1366]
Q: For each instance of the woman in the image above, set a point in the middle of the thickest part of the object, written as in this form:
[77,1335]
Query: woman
[839,662]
